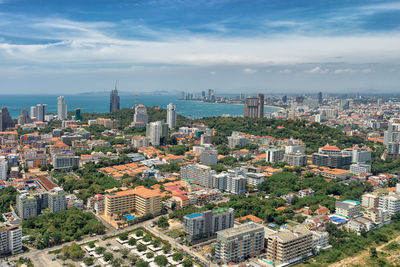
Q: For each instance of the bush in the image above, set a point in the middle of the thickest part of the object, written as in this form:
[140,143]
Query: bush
[141,247]
[132,241]
[161,260]
[123,236]
[100,250]
[139,232]
[147,238]
[177,256]
[187,263]
[73,251]
[88,261]
[108,256]
[149,255]
[163,222]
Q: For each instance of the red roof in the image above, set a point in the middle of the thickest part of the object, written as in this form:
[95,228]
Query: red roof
[330,148]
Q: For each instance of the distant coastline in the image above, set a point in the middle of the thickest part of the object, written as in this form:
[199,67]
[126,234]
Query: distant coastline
[229,103]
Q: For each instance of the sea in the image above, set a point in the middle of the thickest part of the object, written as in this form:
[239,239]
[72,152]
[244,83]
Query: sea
[99,103]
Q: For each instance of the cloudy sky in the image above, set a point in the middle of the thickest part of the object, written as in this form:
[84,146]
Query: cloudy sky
[271,46]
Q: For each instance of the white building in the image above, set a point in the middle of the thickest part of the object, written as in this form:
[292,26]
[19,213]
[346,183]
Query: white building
[348,208]
[139,141]
[236,184]
[359,168]
[140,114]
[236,139]
[154,130]
[370,201]
[39,111]
[320,240]
[391,203]
[62,111]
[209,157]
[10,240]
[200,174]
[254,179]
[171,115]
[57,200]
[3,168]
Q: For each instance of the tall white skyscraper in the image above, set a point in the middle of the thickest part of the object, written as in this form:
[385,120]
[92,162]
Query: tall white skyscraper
[61,108]
[3,168]
[171,115]
[154,132]
[140,114]
[39,111]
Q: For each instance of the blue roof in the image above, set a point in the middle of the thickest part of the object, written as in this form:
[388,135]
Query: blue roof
[194,215]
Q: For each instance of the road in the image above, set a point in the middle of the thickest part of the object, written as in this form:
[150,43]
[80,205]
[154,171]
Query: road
[175,244]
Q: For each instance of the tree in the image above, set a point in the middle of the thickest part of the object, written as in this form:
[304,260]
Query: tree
[373,253]
[124,252]
[123,236]
[141,247]
[149,255]
[117,262]
[163,222]
[156,242]
[139,232]
[88,261]
[187,263]
[132,241]
[108,256]
[100,250]
[142,263]
[147,238]
[73,251]
[132,259]
[166,248]
[161,260]
[178,256]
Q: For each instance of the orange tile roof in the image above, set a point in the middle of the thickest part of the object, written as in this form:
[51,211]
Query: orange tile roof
[250,217]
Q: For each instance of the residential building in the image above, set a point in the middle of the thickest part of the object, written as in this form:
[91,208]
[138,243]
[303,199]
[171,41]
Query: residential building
[348,208]
[295,147]
[139,141]
[207,223]
[220,181]
[205,139]
[27,206]
[254,179]
[141,114]
[3,168]
[140,200]
[198,174]
[236,184]
[306,193]
[359,168]
[360,223]
[320,240]
[295,159]
[57,200]
[370,200]
[78,116]
[289,245]
[171,115]
[24,118]
[377,216]
[114,100]
[254,107]
[237,139]
[5,119]
[64,161]
[96,203]
[391,203]
[10,240]
[209,156]
[274,155]
[156,130]
[38,112]
[240,243]
[62,110]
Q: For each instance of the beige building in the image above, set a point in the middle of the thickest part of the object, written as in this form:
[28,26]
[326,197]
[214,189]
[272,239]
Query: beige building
[139,200]
[370,201]
[289,245]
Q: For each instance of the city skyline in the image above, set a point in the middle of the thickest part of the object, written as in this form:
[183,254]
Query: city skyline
[264,46]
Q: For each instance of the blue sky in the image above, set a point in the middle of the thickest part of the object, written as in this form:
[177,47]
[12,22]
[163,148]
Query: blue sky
[229,45]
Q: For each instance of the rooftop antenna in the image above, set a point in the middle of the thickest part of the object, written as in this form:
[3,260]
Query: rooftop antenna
[136,97]
[116,84]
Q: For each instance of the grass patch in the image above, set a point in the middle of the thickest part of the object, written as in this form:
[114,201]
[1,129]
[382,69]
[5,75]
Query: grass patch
[57,251]
[175,233]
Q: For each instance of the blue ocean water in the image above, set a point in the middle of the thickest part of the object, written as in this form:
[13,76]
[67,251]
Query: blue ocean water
[99,103]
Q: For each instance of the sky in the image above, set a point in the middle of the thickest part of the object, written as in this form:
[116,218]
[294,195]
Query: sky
[269,46]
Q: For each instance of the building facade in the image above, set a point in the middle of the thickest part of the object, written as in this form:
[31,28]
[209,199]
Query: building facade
[254,107]
[114,100]
[62,111]
[171,115]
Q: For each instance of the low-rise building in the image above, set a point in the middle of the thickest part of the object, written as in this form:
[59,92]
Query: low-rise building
[348,208]
[306,193]
[359,168]
[320,240]
[370,200]
[61,162]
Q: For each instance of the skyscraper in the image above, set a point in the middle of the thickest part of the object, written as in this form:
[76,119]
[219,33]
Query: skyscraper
[171,115]
[254,107]
[154,132]
[24,117]
[78,116]
[140,114]
[38,112]
[114,99]
[320,99]
[61,108]
[5,119]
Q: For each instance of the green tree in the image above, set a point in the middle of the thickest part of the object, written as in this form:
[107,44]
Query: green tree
[177,256]
[132,241]
[161,260]
[187,263]
[108,256]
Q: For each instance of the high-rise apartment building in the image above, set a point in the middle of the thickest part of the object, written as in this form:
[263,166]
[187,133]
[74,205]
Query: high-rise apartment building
[38,112]
[237,139]
[206,223]
[3,168]
[171,115]
[5,119]
[320,98]
[65,162]
[199,174]
[56,200]
[332,157]
[114,100]
[274,155]
[391,203]
[154,132]
[254,107]
[10,240]
[289,245]
[141,114]
[240,243]
[62,111]
[24,118]
[27,206]
[209,156]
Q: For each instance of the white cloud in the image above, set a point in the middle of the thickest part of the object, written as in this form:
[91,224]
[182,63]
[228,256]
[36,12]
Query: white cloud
[213,73]
[249,70]
[317,70]
[350,70]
